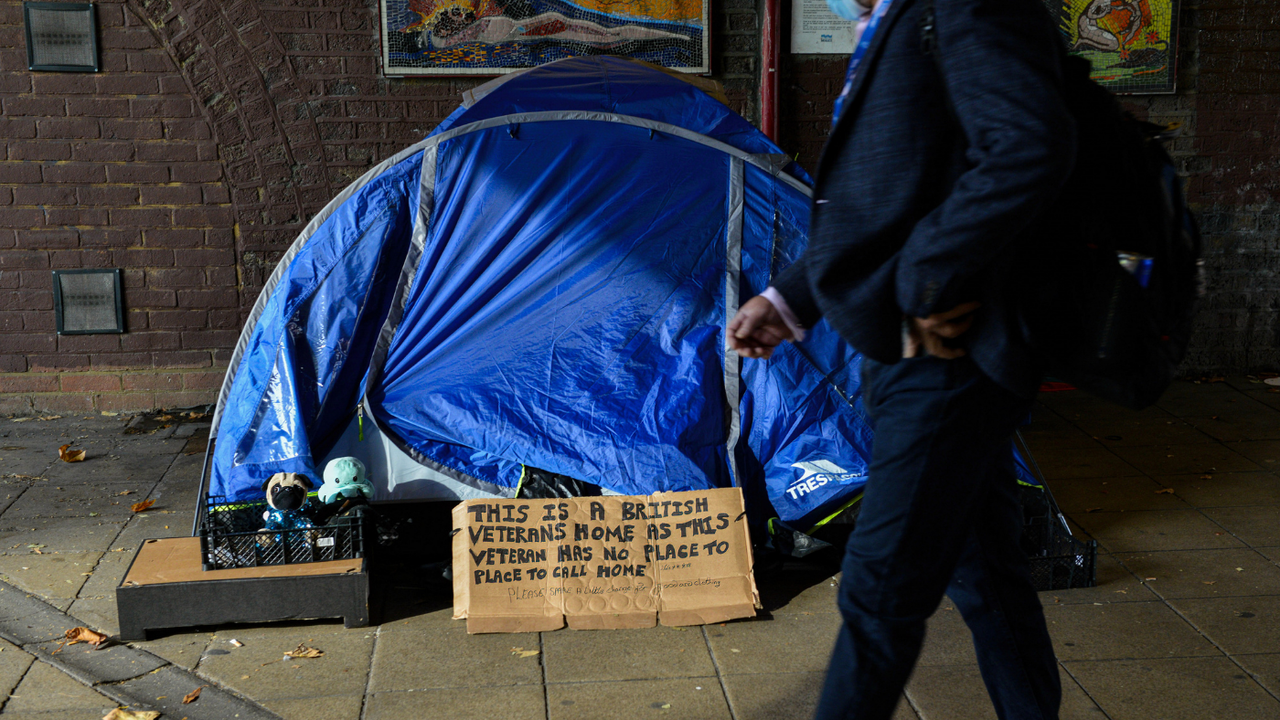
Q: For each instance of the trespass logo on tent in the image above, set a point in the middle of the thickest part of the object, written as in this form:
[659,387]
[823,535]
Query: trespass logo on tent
[816,473]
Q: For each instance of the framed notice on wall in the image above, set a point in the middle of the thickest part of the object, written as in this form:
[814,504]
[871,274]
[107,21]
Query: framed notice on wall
[489,37]
[1131,44]
[815,29]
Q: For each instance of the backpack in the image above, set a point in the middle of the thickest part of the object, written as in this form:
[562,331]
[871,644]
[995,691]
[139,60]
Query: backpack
[1106,282]
[1107,289]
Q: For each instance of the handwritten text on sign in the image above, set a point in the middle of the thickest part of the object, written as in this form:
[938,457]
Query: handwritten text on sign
[614,561]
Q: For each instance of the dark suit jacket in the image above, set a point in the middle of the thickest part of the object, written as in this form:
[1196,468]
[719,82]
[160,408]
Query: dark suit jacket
[937,166]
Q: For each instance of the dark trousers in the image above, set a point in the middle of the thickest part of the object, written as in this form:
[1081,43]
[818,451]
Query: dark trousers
[940,515]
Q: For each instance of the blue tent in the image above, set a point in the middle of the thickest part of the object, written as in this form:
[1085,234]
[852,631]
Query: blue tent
[544,281]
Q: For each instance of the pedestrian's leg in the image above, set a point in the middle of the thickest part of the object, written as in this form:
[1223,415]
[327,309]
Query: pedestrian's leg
[992,589]
[936,432]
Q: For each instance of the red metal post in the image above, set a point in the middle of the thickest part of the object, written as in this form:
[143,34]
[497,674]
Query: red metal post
[769,53]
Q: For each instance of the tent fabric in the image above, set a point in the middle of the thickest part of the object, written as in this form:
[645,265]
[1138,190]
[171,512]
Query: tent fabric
[545,281]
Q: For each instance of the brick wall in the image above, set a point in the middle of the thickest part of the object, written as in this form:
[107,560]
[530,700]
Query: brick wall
[1228,100]
[214,132]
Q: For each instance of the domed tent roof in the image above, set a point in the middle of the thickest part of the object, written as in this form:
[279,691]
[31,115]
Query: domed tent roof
[544,282]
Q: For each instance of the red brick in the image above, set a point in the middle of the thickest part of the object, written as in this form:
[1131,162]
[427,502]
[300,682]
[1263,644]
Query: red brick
[153,381]
[60,361]
[133,402]
[27,383]
[170,195]
[44,195]
[175,277]
[80,258]
[181,359]
[59,84]
[103,151]
[13,363]
[136,257]
[19,128]
[128,84]
[196,172]
[173,237]
[132,129]
[119,360]
[16,259]
[170,401]
[74,172]
[23,218]
[87,107]
[37,105]
[48,239]
[10,321]
[108,195]
[76,216]
[178,320]
[141,216]
[137,173]
[151,341]
[38,321]
[202,380]
[90,383]
[165,151]
[206,299]
[187,130]
[44,150]
[209,339]
[19,173]
[72,128]
[63,403]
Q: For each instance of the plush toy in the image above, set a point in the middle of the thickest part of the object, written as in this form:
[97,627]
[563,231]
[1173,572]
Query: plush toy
[287,498]
[344,479]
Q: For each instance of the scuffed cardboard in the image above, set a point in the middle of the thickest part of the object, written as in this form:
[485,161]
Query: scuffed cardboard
[681,558]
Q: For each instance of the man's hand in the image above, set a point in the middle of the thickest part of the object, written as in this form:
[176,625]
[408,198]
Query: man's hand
[757,329]
[931,333]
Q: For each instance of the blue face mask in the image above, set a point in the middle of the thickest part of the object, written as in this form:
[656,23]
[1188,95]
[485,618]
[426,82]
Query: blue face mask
[845,9]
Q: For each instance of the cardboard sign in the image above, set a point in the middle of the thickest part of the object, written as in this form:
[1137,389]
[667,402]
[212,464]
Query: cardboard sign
[617,561]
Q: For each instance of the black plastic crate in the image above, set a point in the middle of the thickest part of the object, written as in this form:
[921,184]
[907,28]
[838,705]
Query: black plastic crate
[1058,560]
[231,536]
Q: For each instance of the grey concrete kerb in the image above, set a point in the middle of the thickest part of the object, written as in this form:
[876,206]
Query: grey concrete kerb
[127,675]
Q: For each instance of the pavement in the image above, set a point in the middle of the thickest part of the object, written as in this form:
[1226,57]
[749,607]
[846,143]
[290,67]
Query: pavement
[1183,499]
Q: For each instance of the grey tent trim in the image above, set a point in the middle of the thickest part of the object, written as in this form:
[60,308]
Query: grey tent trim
[270,285]
[732,273]
[417,244]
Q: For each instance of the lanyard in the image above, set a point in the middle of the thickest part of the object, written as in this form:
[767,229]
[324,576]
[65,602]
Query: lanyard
[864,40]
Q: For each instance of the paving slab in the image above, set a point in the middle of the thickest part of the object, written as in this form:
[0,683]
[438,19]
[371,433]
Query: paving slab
[1151,530]
[1115,583]
[1087,495]
[169,685]
[320,707]
[1191,399]
[1205,573]
[608,655]
[1236,624]
[1224,489]
[1264,667]
[1070,463]
[112,466]
[49,576]
[810,590]
[786,643]
[956,692]
[1174,689]
[260,671]
[23,536]
[1258,526]
[779,695]
[1123,631]
[449,658]
[98,613]
[90,665]
[1185,459]
[47,689]
[53,499]
[14,663]
[515,702]
[694,699]
[183,650]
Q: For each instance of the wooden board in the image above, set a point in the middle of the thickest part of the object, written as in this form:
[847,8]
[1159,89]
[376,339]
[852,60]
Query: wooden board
[177,560]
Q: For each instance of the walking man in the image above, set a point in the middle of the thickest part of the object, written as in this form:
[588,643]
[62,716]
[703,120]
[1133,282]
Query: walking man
[949,138]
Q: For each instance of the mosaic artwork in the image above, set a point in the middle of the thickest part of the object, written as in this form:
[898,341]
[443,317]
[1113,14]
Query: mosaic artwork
[487,37]
[1130,43]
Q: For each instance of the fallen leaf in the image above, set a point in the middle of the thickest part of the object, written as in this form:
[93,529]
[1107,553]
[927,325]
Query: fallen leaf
[1206,477]
[125,492]
[1209,582]
[84,634]
[142,506]
[524,653]
[192,696]
[1148,579]
[69,455]
[1166,491]
[49,417]
[244,677]
[1092,510]
[302,651]
[123,714]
